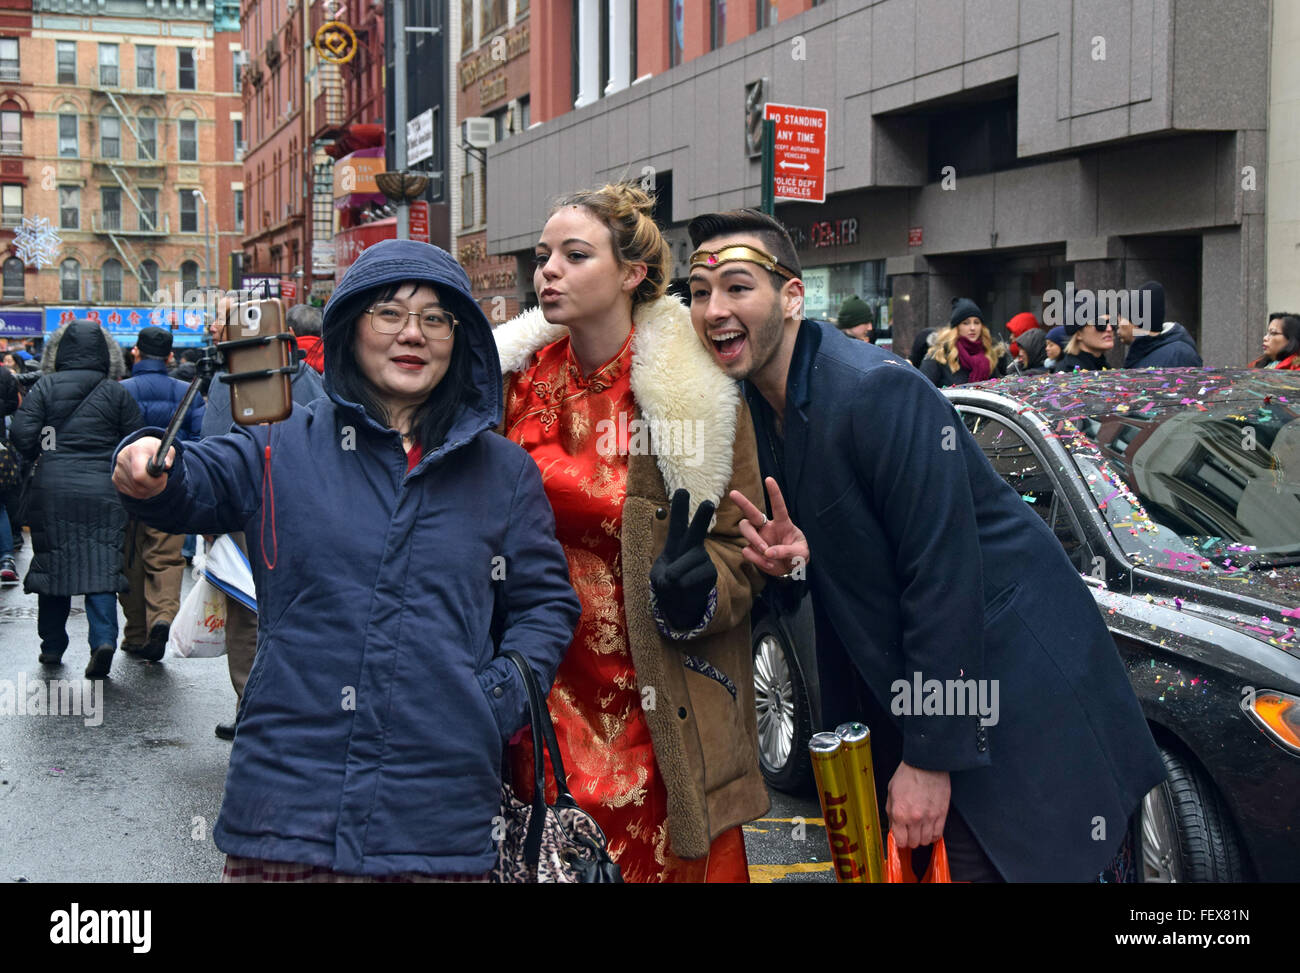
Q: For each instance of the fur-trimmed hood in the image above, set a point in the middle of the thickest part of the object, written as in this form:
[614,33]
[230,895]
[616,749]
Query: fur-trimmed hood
[111,362]
[675,382]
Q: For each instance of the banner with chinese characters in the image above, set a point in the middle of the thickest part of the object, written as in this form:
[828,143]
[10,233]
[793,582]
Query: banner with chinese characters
[124,323]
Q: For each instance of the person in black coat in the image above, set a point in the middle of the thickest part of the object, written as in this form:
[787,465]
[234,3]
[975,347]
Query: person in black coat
[71,422]
[1089,340]
[925,569]
[1157,343]
[965,351]
[9,399]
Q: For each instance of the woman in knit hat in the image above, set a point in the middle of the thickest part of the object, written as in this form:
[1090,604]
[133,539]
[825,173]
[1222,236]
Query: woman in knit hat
[1056,342]
[856,320]
[965,351]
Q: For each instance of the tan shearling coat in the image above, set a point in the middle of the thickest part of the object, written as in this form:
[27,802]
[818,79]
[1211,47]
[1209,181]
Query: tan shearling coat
[705,742]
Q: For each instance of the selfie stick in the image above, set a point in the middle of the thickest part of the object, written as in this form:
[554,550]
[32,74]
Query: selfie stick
[206,367]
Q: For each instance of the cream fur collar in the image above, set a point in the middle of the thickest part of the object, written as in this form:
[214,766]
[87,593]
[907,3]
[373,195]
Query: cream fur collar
[679,389]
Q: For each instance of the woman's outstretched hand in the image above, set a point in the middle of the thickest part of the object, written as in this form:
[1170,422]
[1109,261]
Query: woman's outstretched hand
[683,574]
[131,475]
[776,546]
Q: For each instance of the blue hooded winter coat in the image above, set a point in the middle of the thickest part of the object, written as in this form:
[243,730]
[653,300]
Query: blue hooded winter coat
[371,731]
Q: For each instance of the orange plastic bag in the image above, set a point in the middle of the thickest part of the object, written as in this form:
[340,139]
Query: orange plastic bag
[899,872]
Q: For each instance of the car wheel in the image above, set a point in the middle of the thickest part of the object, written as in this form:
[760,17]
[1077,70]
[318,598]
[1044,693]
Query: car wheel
[784,718]
[1184,832]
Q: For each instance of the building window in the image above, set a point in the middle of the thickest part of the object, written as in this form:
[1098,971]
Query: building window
[148,281]
[240,146]
[108,65]
[11,132]
[189,211]
[69,280]
[237,68]
[676,31]
[186,77]
[189,140]
[467,181]
[69,207]
[9,59]
[765,15]
[493,16]
[145,76]
[189,277]
[11,205]
[110,137]
[14,289]
[110,208]
[147,148]
[68,144]
[65,55]
[466,25]
[717,24]
[110,281]
[148,219]
[239,209]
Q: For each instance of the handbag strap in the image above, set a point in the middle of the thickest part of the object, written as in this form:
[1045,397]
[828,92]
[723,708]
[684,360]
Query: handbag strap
[544,741]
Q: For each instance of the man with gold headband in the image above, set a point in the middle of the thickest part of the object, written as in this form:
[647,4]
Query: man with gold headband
[923,565]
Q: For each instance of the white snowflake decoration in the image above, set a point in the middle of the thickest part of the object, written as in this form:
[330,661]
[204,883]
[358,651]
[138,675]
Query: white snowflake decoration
[37,242]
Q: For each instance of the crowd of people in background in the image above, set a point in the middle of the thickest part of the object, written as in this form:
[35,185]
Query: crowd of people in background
[967,350]
[87,391]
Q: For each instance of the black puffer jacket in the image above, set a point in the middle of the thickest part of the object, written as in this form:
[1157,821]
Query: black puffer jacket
[78,523]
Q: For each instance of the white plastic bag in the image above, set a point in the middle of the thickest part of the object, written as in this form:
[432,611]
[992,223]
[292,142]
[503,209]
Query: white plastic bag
[228,569]
[199,628]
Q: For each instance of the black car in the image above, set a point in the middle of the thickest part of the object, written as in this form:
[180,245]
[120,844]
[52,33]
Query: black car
[1177,494]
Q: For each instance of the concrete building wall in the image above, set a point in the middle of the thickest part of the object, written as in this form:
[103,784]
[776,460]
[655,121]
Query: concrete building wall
[1134,119]
[1283,173]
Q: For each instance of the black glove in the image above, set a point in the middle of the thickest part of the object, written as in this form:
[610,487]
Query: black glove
[683,574]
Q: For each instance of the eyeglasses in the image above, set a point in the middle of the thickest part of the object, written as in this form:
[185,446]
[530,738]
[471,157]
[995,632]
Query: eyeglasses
[436,322]
[1108,326]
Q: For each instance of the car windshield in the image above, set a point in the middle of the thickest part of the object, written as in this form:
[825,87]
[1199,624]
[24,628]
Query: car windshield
[1203,478]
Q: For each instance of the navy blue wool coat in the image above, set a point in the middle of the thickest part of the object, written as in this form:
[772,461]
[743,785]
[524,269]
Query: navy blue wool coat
[924,561]
[372,727]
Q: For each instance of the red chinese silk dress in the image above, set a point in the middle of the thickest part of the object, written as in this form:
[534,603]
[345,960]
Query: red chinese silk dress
[569,424]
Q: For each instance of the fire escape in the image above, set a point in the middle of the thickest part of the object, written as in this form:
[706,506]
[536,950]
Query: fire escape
[145,172]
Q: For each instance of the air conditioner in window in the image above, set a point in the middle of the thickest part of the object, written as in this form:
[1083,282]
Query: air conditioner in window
[478,132]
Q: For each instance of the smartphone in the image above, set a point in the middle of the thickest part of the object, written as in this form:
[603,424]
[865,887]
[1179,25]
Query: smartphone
[259,374]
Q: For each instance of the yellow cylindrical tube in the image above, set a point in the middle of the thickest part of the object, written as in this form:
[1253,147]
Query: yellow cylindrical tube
[855,757]
[835,789]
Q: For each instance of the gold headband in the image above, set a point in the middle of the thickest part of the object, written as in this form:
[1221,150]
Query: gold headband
[740,251]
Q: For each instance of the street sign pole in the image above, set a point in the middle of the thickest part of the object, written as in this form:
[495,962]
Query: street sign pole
[769,167]
[399,111]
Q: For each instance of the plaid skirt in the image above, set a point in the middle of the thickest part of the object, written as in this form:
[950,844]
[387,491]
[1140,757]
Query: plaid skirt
[260,870]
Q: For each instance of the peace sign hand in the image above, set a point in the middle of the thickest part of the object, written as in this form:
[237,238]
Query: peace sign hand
[683,574]
[776,546]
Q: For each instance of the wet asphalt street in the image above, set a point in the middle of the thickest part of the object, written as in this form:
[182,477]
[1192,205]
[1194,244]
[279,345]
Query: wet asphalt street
[128,790]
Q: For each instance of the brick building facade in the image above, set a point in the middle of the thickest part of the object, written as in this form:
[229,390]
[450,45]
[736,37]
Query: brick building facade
[112,121]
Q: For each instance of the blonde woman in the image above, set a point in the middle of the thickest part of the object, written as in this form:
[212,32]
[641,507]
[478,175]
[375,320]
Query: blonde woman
[640,437]
[965,351]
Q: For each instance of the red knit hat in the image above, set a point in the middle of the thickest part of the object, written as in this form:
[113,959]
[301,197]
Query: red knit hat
[1022,322]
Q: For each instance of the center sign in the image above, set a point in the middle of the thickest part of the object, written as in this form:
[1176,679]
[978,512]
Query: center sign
[799,168]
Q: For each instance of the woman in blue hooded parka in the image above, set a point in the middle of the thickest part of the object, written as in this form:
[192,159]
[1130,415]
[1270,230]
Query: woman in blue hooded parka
[384,521]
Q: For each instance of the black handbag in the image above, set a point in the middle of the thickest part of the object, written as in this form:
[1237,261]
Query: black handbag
[542,842]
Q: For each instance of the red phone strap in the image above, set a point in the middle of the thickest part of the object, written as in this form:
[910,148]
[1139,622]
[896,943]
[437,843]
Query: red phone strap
[268,497]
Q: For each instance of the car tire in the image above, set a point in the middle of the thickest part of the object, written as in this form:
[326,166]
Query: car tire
[1184,833]
[784,716]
